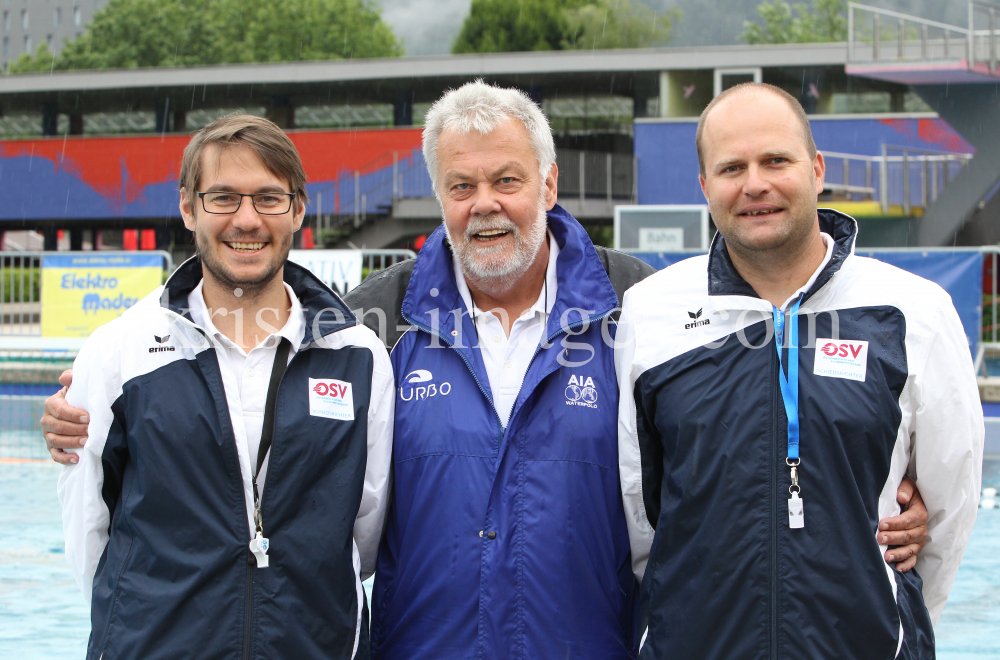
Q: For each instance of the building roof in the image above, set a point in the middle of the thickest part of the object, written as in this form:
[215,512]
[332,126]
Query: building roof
[628,72]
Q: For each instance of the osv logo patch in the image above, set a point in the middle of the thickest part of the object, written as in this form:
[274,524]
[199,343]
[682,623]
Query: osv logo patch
[331,398]
[841,358]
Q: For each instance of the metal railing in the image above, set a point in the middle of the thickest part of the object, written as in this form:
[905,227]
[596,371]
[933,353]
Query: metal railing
[906,176]
[374,260]
[21,288]
[372,189]
[594,174]
[882,35]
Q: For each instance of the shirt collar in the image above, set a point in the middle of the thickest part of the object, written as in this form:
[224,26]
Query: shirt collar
[829,243]
[294,329]
[549,290]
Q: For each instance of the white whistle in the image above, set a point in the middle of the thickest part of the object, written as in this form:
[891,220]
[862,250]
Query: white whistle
[796,517]
[258,546]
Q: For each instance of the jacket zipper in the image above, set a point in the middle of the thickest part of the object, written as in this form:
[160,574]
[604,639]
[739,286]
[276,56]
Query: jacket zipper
[252,561]
[248,606]
[775,445]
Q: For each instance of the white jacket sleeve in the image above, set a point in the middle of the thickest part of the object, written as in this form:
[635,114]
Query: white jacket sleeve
[86,518]
[375,497]
[946,455]
[640,531]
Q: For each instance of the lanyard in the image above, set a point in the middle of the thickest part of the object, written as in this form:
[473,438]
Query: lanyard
[790,395]
[789,385]
[259,545]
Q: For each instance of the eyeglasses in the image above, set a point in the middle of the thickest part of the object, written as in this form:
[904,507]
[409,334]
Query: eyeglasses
[272,203]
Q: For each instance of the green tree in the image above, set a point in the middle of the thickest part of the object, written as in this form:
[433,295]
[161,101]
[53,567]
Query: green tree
[500,26]
[607,24]
[148,33]
[42,60]
[495,26]
[826,20]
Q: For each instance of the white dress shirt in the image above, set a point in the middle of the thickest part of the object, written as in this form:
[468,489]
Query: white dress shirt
[246,376]
[507,358]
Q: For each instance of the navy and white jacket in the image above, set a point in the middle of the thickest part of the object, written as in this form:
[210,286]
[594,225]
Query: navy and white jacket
[158,512]
[511,543]
[886,389]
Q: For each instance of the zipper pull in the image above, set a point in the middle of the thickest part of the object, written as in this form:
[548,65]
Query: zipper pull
[259,545]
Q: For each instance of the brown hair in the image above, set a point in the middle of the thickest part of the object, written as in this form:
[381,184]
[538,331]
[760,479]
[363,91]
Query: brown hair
[269,142]
[744,88]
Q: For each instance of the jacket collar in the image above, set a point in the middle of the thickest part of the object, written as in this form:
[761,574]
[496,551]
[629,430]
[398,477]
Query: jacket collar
[584,290]
[325,312]
[725,280]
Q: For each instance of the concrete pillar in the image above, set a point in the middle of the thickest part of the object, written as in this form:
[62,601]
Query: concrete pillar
[402,109]
[50,118]
[663,107]
[76,124]
[180,121]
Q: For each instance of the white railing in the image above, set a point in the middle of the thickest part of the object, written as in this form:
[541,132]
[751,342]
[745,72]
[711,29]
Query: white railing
[907,176]
[882,35]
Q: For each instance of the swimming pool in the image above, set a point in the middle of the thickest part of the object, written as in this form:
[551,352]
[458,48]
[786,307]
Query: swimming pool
[43,616]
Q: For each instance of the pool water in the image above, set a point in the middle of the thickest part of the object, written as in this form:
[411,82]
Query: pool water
[44,616]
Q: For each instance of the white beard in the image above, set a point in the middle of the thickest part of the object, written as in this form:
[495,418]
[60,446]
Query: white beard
[487,266]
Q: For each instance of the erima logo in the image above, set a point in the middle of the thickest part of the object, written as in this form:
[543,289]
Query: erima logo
[580,391]
[161,340]
[695,322]
[416,392]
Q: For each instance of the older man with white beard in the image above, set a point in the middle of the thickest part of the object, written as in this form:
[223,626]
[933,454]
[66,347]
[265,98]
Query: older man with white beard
[506,535]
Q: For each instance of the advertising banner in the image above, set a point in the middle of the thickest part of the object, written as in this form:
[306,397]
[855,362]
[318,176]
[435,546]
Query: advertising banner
[959,272]
[339,269]
[83,291]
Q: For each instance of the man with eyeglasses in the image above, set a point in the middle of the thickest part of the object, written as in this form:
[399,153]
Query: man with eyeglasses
[242,366]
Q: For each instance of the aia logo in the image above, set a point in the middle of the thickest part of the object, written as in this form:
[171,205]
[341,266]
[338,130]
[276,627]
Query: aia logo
[843,349]
[695,323]
[332,389]
[580,391]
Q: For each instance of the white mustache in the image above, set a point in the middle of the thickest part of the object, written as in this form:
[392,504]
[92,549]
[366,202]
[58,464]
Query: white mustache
[491,222]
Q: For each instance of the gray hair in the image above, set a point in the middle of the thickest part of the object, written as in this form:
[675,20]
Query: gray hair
[481,107]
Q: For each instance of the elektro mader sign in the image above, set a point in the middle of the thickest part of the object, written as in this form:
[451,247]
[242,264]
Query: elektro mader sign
[81,292]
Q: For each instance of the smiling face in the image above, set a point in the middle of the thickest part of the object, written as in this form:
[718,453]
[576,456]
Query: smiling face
[760,181]
[245,249]
[494,202]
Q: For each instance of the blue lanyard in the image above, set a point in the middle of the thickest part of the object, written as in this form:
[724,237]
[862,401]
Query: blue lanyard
[789,385]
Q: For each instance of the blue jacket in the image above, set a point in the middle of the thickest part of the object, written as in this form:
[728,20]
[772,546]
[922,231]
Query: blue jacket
[505,544]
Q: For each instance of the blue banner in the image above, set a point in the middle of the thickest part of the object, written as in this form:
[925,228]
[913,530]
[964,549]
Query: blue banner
[959,272]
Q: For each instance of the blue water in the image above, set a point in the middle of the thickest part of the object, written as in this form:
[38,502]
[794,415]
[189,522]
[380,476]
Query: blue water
[43,616]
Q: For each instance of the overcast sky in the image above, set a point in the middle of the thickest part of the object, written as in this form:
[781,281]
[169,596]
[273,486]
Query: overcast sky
[427,27]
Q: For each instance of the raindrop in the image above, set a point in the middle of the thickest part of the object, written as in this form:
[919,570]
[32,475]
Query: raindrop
[237,292]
